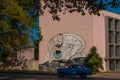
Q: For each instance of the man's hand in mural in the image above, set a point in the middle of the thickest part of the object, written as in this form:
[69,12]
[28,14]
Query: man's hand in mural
[59,45]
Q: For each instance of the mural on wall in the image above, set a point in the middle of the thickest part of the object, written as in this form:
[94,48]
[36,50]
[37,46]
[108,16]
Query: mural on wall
[65,47]
[63,50]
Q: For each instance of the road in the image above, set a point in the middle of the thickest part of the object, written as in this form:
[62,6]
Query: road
[18,76]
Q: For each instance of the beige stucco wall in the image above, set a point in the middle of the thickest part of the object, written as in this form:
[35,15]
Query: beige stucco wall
[26,58]
[27,54]
[99,33]
[69,23]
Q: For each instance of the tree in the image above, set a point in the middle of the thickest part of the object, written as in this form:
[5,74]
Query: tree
[15,26]
[54,7]
[93,60]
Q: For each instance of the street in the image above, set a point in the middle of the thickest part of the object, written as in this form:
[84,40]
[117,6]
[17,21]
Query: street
[18,76]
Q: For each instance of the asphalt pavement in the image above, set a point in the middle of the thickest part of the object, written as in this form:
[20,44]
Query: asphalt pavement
[40,76]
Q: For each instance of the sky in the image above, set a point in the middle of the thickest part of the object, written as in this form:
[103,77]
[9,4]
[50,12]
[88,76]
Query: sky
[114,10]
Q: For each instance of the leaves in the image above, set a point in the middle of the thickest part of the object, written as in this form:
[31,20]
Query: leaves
[15,26]
[4,26]
[93,7]
[94,61]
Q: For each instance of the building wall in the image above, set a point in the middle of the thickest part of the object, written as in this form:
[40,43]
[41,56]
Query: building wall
[27,54]
[100,34]
[90,27]
[69,23]
[25,60]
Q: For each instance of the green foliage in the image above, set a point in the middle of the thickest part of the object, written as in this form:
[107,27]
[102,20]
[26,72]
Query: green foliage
[93,7]
[94,61]
[15,26]
[27,4]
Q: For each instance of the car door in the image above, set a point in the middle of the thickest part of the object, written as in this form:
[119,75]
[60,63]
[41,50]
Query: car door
[72,71]
[81,69]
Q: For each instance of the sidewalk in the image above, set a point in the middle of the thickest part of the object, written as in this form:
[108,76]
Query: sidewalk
[108,75]
[29,72]
[5,78]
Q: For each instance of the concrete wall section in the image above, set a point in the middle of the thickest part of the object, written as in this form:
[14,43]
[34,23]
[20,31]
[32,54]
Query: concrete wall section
[99,35]
[25,60]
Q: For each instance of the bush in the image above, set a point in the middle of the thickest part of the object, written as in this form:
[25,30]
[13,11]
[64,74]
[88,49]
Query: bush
[93,60]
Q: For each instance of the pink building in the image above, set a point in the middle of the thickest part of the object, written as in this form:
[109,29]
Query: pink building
[71,38]
[84,32]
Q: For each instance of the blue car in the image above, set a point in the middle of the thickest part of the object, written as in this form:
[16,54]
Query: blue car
[73,70]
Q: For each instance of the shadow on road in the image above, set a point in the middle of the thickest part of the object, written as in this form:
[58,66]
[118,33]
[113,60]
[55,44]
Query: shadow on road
[66,78]
[88,78]
[11,76]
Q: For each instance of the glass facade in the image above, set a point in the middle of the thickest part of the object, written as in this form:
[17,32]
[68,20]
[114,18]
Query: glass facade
[113,33]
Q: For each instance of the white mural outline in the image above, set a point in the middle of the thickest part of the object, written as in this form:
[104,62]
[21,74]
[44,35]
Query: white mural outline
[68,45]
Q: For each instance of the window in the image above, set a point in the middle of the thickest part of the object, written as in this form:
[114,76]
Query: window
[111,37]
[117,51]
[112,65]
[111,23]
[113,55]
[118,64]
[117,38]
[111,51]
[79,66]
[117,25]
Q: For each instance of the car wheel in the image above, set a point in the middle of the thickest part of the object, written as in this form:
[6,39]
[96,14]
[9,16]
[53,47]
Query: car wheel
[61,75]
[83,75]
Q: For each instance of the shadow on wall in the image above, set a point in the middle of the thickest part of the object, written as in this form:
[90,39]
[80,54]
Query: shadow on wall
[23,61]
